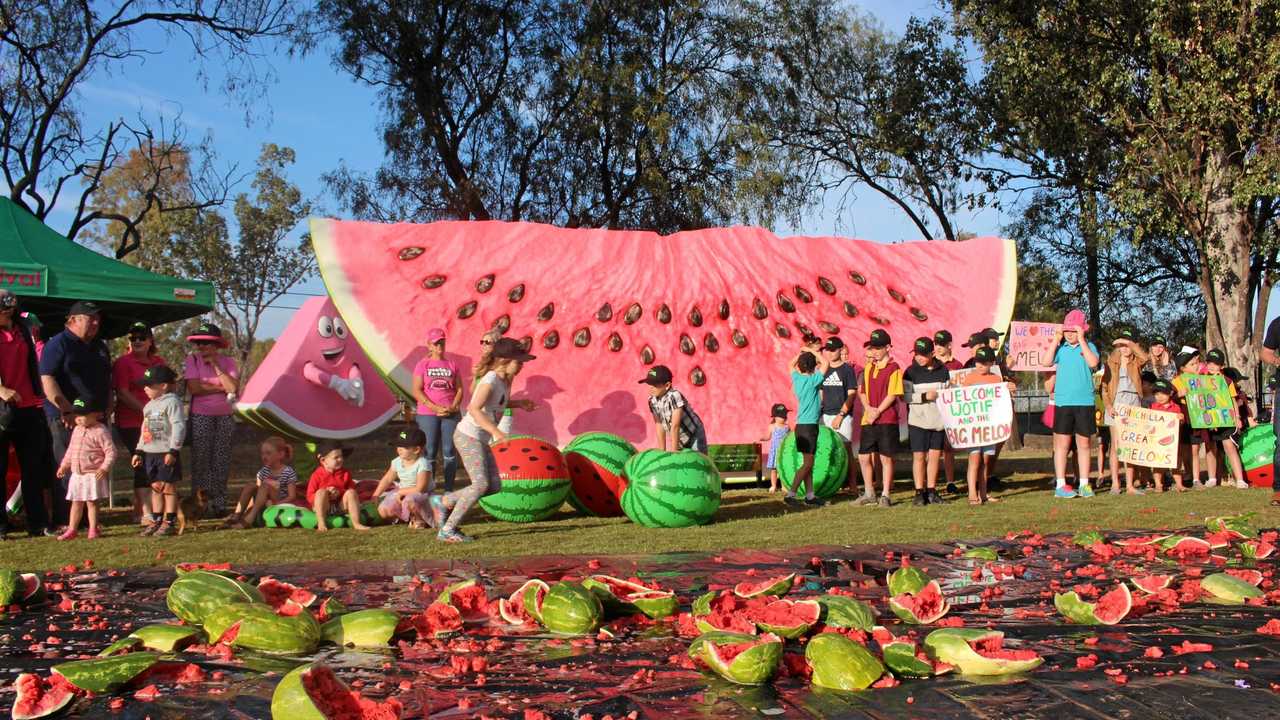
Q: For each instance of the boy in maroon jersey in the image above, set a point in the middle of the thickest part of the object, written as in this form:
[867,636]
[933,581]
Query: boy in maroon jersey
[881,391]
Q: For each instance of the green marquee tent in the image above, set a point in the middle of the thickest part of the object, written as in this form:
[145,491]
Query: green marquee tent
[49,272]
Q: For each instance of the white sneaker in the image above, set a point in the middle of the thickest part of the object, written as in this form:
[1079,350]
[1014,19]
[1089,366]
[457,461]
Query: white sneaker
[1211,482]
[1197,484]
[1241,484]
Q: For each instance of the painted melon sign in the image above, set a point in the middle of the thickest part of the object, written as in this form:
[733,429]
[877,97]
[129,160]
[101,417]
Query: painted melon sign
[723,308]
[316,382]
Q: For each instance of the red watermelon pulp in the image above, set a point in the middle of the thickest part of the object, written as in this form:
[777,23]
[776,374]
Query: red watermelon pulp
[598,307]
[335,700]
[38,697]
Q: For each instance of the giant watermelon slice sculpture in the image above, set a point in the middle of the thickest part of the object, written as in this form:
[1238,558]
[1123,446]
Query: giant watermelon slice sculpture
[723,308]
[316,382]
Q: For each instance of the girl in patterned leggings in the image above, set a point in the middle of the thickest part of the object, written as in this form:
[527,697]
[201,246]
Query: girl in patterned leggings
[211,382]
[477,430]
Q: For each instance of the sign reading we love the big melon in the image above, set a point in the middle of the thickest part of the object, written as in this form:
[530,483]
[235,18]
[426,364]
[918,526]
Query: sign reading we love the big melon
[1031,345]
[976,415]
[1146,437]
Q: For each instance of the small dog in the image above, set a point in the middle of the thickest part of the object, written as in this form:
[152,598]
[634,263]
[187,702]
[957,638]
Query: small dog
[191,509]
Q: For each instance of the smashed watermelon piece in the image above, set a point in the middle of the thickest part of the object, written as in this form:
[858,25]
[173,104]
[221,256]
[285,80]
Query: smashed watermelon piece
[336,701]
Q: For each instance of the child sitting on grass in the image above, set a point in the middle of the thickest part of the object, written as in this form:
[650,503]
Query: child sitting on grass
[405,486]
[331,486]
[88,461]
[774,435]
[276,483]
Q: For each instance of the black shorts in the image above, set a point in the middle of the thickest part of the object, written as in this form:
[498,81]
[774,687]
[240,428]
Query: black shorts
[882,439]
[1104,438]
[1213,435]
[157,471]
[806,439]
[923,440]
[129,436]
[1074,420]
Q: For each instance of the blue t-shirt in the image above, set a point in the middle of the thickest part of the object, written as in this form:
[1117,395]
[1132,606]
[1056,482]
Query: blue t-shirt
[82,369]
[807,389]
[1073,386]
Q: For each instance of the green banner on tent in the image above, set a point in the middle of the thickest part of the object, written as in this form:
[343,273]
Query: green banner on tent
[24,278]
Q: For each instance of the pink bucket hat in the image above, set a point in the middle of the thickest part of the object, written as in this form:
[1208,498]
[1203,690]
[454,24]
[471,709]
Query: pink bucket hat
[435,335]
[1075,319]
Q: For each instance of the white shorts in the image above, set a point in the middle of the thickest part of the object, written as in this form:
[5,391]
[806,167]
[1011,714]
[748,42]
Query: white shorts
[846,427]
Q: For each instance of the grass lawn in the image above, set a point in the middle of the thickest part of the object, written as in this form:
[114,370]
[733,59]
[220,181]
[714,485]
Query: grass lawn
[747,518]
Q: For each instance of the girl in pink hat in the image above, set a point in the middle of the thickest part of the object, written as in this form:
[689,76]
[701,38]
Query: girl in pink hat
[1073,364]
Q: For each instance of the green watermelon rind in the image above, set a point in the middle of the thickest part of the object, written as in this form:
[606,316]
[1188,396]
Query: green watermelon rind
[659,604]
[845,612]
[901,658]
[839,663]
[951,646]
[671,490]
[197,594]
[9,584]
[830,462]
[262,630]
[906,580]
[571,609]
[754,666]
[371,627]
[290,698]
[103,675]
[1225,589]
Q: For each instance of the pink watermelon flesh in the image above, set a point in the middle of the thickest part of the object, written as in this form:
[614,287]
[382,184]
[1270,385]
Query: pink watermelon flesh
[285,597]
[753,589]
[786,613]
[39,697]
[1112,607]
[1153,583]
[335,700]
[472,603]
[1261,550]
[280,395]
[599,490]
[1253,577]
[927,605]
[993,647]
[741,299]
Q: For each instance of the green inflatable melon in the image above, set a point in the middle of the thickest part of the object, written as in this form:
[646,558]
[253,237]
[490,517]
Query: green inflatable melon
[291,516]
[830,462]
[535,481]
[596,461]
[671,490]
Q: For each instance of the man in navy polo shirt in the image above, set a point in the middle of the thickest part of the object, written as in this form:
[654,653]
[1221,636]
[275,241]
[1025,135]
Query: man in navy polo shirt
[75,365]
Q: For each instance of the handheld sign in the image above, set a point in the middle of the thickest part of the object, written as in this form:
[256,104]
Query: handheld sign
[977,415]
[1146,437]
[1209,401]
[1031,345]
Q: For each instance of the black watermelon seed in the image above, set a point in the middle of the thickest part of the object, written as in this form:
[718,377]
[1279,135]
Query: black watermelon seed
[857,277]
[805,330]
[516,294]
[686,344]
[919,314]
[467,310]
[433,281]
[723,310]
[526,343]
[547,312]
[711,343]
[828,328]
[782,330]
[897,295]
[524,449]
[615,342]
[605,313]
[633,314]
[548,467]
[550,340]
[880,319]
[759,310]
[663,314]
[803,295]
[410,253]
[646,355]
[850,310]
[785,303]
[697,377]
[738,339]
[582,337]
[502,324]
[485,284]
[826,286]
[513,468]
[695,317]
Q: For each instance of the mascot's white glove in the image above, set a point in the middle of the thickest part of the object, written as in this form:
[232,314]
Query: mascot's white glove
[350,390]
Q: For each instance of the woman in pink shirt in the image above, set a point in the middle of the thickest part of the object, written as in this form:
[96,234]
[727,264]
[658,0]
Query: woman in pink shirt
[437,386]
[126,379]
[212,382]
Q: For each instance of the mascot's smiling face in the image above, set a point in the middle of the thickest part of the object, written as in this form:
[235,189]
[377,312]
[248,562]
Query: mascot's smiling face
[333,337]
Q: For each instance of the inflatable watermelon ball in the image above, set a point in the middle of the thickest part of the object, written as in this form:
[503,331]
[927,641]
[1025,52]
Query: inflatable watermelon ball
[598,322]
[596,461]
[313,691]
[671,490]
[535,481]
[830,463]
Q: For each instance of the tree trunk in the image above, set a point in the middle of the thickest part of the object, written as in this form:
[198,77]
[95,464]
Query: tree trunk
[1088,223]
[1228,243]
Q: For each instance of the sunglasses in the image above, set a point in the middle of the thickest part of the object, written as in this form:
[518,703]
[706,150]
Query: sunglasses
[486,342]
[202,343]
[138,338]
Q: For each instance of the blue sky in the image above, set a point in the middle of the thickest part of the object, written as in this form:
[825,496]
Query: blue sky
[328,118]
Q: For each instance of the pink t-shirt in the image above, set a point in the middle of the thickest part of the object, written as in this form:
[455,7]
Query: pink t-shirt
[197,368]
[126,377]
[439,381]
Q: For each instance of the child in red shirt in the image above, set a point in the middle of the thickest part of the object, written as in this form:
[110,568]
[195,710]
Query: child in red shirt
[331,486]
[1164,395]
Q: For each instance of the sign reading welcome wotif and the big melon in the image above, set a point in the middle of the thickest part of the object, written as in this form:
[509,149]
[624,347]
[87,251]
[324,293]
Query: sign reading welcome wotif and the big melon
[977,415]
